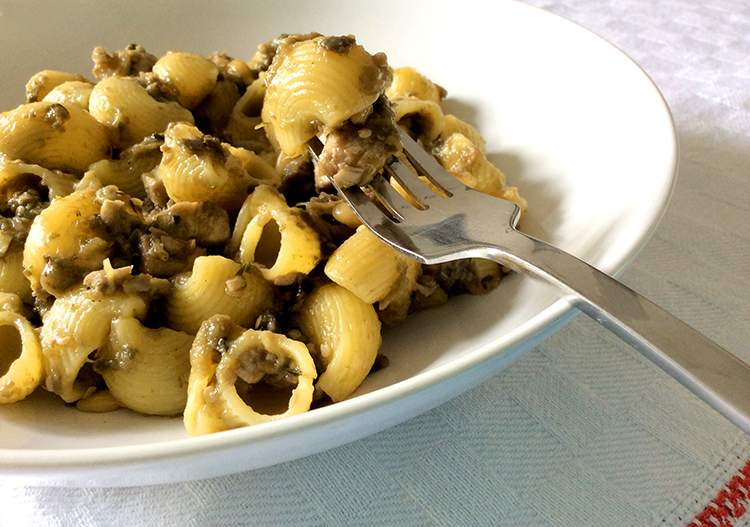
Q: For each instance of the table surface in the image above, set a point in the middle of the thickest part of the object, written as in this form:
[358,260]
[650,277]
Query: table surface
[581,430]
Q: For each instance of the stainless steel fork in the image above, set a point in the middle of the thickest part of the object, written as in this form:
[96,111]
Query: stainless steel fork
[464,223]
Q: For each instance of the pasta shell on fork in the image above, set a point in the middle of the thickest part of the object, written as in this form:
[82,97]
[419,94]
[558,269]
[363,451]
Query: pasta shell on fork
[317,84]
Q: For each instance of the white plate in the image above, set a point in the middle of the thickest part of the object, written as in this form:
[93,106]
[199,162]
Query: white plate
[572,121]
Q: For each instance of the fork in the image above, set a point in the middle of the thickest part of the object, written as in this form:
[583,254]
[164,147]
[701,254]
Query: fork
[459,222]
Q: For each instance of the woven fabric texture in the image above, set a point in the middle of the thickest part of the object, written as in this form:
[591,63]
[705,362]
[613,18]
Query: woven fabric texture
[581,431]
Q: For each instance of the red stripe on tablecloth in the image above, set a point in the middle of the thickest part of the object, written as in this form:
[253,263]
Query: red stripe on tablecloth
[730,503]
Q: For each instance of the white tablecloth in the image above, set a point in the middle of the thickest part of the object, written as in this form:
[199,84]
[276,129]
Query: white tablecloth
[580,431]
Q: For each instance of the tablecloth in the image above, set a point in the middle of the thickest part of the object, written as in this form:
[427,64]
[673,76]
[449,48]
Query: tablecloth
[581,430]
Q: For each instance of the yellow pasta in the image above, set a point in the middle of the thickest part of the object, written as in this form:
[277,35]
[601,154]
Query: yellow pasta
[45,81]
[126,172]
[244,128]
[12,302]
[78,324]
[369,268]
[452,125]
[344,214]
[236,69]
[256,166]
[345,333]
[99,401]
[146,369]
[12,279]
[68,240]
[315,85]
[408,82]
[71,92]
[63,232]
[465,161]
[20,357]
[198,167]
[188,76]
[56,136]
[459,155]
[244,377]
[217,285]
[129,112]
[16,176]
[274,236]
[423,118]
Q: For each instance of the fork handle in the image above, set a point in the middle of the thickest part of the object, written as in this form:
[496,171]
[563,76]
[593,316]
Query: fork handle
[705,368]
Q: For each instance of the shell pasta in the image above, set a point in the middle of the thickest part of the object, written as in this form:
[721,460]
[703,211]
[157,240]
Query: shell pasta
[169,247]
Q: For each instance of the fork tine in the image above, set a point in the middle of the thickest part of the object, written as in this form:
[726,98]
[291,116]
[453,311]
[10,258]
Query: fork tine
[397,205]
[410,183]
[429,167]
[362,205]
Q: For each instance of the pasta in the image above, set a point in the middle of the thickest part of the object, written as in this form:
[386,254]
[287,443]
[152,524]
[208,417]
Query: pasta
[369,268]
[345,333]
[275,373]
[197,167]
[460,156]
[41,84]
[12,279]
[57,136]
[146,369]
[16,176]
[408,82]
[129,112]
[22,358]
[63,232]
[77,325]
[216,285]
[314,85]
[71,92]
[188,76]
[167,244]
[125,172]
[424,117]
[244,123]
[275,236]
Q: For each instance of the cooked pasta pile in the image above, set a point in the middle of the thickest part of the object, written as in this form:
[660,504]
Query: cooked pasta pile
[167,244]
